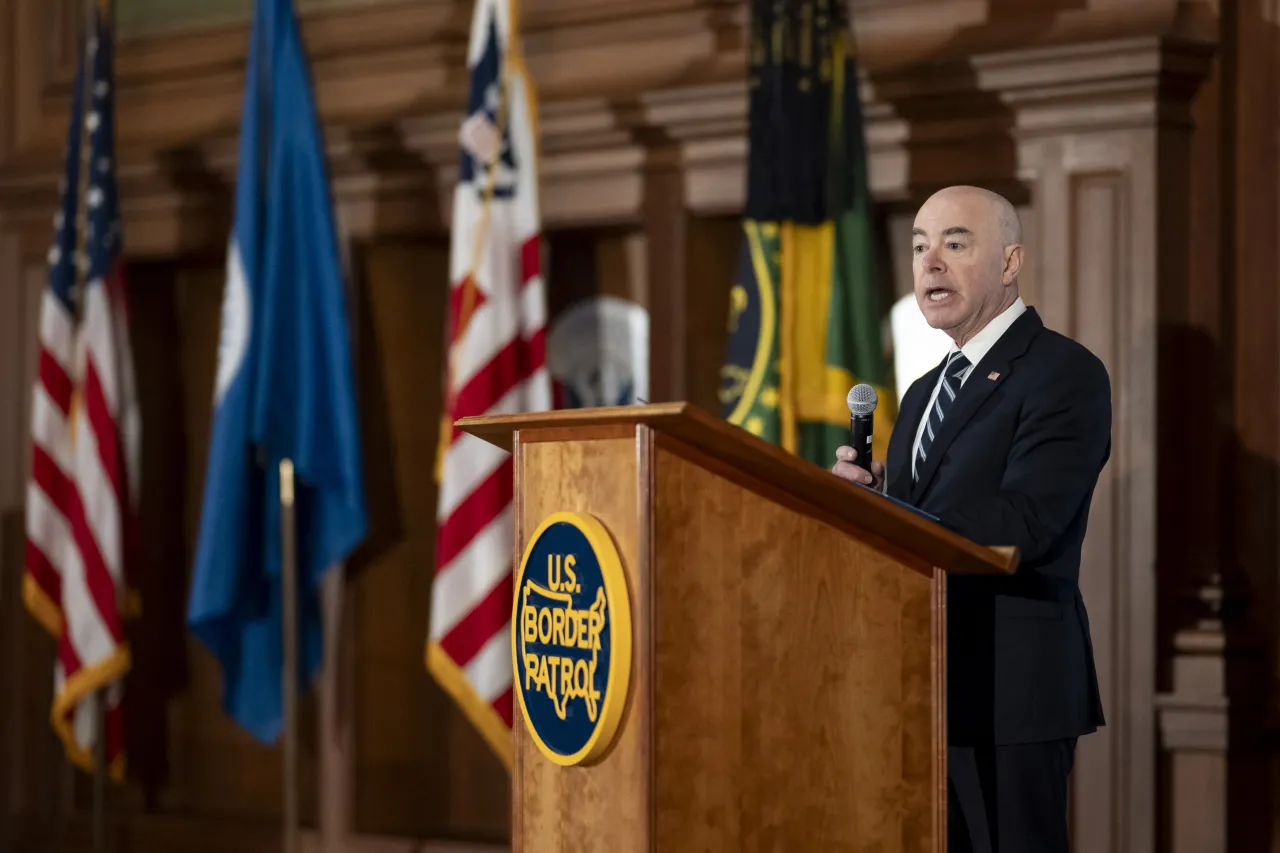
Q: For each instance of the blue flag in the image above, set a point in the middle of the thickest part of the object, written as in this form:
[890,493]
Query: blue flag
[284,389]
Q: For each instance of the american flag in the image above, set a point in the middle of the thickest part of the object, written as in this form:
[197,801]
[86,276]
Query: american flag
[82,494]
[496,365]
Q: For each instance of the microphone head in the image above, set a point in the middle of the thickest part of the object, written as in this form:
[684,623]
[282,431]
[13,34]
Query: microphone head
[862,399]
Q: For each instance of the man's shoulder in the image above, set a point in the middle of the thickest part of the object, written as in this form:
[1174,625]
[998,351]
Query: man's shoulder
[1057,356]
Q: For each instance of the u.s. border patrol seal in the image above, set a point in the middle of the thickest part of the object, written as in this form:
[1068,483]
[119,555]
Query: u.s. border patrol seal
[571,638]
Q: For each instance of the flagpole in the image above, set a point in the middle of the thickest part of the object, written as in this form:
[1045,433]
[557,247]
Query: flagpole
[100,772]
[289,596]
[81,260]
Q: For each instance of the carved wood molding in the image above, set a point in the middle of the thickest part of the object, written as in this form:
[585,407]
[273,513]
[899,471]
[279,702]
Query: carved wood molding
[623,89]
[1103,142]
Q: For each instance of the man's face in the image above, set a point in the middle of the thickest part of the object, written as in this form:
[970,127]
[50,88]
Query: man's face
[959,262]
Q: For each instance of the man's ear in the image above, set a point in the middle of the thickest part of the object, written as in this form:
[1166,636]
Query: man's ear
[1013,257]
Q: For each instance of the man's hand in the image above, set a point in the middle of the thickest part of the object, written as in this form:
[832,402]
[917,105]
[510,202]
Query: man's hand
[845,467]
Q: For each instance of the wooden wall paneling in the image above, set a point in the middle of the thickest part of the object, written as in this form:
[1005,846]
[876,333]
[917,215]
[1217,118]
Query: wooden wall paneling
[40,772]
[574,270]
[613,81]
[1107,187]
[335,734]
[215,768]
[30,68]
[13,776]
[141,18]
[606,46]
[18,629]
[159,637]
[666,225]
[1119,594]
[708,124]
[714,250]
[34,761]
[10,597]
[1251,576]
[621,262]
[1194,356]
[15,383]
[582,187]
[383,72]
[1191,782]
[1218,714]
[1065,198]
[8,72]
[421,770]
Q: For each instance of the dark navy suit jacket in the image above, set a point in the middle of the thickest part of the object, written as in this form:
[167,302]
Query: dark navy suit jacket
[1016,463]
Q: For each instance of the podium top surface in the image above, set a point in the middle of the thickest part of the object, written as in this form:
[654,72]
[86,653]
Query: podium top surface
[853,505]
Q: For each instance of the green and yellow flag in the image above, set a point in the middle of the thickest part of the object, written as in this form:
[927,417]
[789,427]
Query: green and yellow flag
[804,314]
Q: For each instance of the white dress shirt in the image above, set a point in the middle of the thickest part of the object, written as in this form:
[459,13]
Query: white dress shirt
[974,350]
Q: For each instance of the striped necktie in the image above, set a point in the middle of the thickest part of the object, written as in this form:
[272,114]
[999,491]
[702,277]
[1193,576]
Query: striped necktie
[952,375]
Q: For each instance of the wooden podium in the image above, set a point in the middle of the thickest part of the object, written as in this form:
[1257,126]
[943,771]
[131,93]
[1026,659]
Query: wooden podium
[787,663]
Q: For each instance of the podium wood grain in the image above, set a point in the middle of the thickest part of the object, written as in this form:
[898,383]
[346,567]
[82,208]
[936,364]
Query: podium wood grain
[783,670]
[793,675]
[788,688]
[605,806]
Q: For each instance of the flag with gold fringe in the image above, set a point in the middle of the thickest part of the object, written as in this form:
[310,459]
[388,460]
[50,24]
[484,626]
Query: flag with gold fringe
[82,497]
[804,313]
[497,364]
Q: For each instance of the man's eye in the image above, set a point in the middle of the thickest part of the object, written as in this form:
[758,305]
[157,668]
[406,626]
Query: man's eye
[955,247]
[917,249]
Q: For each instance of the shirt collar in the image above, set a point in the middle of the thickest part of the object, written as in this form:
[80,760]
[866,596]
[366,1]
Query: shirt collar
[980,344]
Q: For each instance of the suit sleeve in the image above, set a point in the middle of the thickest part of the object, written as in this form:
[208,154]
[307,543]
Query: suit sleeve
[1061,443]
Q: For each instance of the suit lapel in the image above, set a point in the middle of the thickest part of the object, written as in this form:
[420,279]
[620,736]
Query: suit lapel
[898,464]
[987,375]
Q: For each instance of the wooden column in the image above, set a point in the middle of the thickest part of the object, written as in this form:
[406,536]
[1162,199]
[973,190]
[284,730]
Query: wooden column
[1102,134]
[1195,730]
[15,383]
[1250,554]
[336,735]
[12,783]
[1218,723]
[666,225]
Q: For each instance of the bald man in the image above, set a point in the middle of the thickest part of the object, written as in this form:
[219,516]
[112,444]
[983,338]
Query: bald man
[1003,441]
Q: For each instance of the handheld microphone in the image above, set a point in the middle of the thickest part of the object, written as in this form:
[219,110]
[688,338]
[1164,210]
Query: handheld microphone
[862,402]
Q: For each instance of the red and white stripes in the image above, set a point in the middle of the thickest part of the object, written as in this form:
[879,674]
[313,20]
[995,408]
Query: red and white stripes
[504,372]
[80,507]
[497,365]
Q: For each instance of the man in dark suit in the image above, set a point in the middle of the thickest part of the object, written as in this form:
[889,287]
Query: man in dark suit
[1003,442]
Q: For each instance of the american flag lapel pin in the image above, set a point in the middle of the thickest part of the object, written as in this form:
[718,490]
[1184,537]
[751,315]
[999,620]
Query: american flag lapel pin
[993,376]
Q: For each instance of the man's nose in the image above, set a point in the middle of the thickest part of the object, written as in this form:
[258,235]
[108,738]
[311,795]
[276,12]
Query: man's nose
[932,261]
